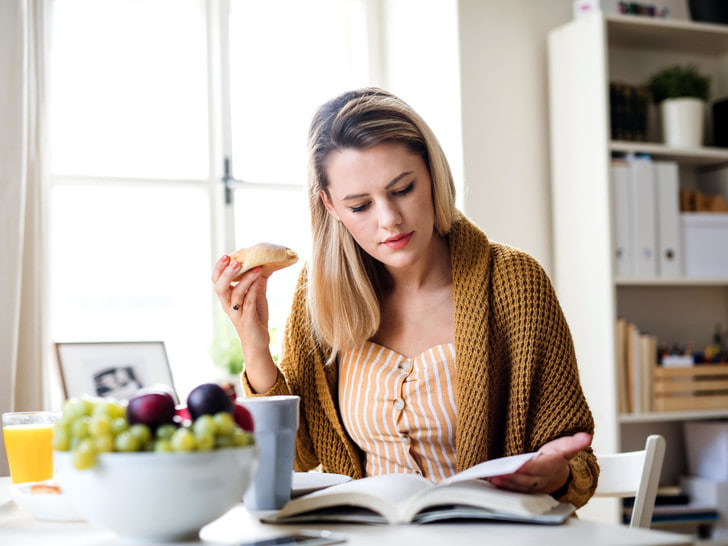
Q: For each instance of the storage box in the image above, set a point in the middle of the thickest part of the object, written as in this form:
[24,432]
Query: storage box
[709,493]
[706,448]
[705,244]
[690,388]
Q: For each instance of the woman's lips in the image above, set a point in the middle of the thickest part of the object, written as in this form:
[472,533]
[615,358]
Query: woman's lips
[399,241]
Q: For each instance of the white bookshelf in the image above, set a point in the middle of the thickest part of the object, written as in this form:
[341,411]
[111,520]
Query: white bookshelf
[584,56]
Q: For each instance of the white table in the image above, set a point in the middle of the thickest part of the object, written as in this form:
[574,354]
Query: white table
[17,527]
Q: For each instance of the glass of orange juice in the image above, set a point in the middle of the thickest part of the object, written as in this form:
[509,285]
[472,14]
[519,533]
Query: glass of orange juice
[28,437]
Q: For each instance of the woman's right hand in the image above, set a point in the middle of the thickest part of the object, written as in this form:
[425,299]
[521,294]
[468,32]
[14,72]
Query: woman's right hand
[245,302]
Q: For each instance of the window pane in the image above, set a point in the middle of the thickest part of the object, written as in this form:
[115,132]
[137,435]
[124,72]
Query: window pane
[286,58]
[129,88]
[284,220]
[133,263]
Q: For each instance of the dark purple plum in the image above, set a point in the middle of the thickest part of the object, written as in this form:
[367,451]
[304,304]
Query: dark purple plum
[208,398]
[152,409]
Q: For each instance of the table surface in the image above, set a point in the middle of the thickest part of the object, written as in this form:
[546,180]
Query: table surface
[239,526]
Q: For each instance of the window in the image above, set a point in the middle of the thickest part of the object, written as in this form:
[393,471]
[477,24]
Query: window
[147,99]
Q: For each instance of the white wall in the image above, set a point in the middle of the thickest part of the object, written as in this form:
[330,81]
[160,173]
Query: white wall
[505,118]
[420,64]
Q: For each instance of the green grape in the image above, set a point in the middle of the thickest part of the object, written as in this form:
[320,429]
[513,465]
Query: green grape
[104,443]
[119,425]
[77,407]
[80,427]
[242,438]
[61,438]
[224,441]
[141,433]
[163,445]
[102,407]
[204,424]
[84,455]
[183,440]
[125,441]
[99,424]
[165,432]
[224,423]
[205,441]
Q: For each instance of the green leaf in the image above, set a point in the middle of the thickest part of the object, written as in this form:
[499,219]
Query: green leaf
[678,82]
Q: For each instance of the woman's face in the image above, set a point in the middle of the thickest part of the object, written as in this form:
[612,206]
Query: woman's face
[383,196]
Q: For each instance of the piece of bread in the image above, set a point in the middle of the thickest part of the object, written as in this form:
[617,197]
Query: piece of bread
[45,489]
[271,257]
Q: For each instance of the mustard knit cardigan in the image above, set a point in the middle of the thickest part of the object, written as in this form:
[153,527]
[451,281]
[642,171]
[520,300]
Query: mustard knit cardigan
[518,384]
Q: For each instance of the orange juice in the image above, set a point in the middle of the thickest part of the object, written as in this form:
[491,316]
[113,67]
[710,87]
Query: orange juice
[30,451]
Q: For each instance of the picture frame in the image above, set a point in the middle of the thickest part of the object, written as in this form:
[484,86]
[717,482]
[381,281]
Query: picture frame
[116,369]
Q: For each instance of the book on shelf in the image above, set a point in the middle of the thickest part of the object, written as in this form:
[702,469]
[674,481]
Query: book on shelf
[409,498]
[628,111]
[624,377]
[666,514]
[636,361]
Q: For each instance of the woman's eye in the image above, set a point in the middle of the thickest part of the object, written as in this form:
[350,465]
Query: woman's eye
[360,208]
[406,189]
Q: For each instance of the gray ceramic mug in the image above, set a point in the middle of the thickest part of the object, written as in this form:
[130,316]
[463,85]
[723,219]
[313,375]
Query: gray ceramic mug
[275,419]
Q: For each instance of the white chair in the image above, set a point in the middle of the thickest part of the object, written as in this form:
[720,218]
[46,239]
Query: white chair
[633,474]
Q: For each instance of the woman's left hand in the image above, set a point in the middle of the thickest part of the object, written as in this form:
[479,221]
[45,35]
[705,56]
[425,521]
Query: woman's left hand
[549,470]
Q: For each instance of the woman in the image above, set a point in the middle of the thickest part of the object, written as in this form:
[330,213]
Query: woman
[416,344]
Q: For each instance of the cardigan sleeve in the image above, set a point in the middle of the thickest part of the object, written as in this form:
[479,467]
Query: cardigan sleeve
[547,401]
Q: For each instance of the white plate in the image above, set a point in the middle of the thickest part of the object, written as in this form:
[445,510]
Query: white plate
[4,500]
[46,506]
[308,482]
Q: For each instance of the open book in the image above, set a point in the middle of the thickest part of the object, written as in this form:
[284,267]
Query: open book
[408,498]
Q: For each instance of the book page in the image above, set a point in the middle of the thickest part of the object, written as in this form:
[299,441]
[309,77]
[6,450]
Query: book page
[481,494]
[493,467]
[384,494]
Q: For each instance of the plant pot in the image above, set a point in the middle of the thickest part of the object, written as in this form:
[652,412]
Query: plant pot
[682,122]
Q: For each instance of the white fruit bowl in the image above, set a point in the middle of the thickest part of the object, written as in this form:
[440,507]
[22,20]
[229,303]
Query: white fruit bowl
[158,496]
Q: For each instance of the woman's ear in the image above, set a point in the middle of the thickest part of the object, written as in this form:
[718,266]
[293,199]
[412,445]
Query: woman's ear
[328,205]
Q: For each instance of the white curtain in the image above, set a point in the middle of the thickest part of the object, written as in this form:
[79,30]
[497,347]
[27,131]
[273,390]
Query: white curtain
[23,44]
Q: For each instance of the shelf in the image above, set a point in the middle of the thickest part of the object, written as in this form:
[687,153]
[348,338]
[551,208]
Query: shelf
[665,281]
[696,157]
[667,35]
[665,416]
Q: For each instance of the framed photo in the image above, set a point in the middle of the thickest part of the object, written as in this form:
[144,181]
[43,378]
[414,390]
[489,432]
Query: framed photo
[116,369]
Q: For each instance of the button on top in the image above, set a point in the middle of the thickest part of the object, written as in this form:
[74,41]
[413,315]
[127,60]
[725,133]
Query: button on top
[398,404]
[405,366]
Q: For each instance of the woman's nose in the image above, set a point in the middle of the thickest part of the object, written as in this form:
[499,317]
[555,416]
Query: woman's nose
[389,216]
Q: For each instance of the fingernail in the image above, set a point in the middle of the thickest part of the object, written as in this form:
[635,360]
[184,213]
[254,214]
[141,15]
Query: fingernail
[234,265]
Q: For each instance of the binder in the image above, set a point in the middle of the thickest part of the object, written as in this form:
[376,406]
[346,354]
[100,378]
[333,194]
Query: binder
[644,221]
[622,219]
[670,255]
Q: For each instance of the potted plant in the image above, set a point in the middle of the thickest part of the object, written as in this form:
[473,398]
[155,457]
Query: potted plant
[681,93]
[226,352]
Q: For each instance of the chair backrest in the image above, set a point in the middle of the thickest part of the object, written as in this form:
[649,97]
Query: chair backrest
[633,474]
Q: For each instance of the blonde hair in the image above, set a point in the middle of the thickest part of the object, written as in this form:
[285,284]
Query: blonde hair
[344,282]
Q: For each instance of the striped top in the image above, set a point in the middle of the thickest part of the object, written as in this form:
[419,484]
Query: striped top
[401,412]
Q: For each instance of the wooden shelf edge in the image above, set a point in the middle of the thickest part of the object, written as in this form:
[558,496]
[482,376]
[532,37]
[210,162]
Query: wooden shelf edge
[665,416]
[669,281]
[667,24]
[706,156]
